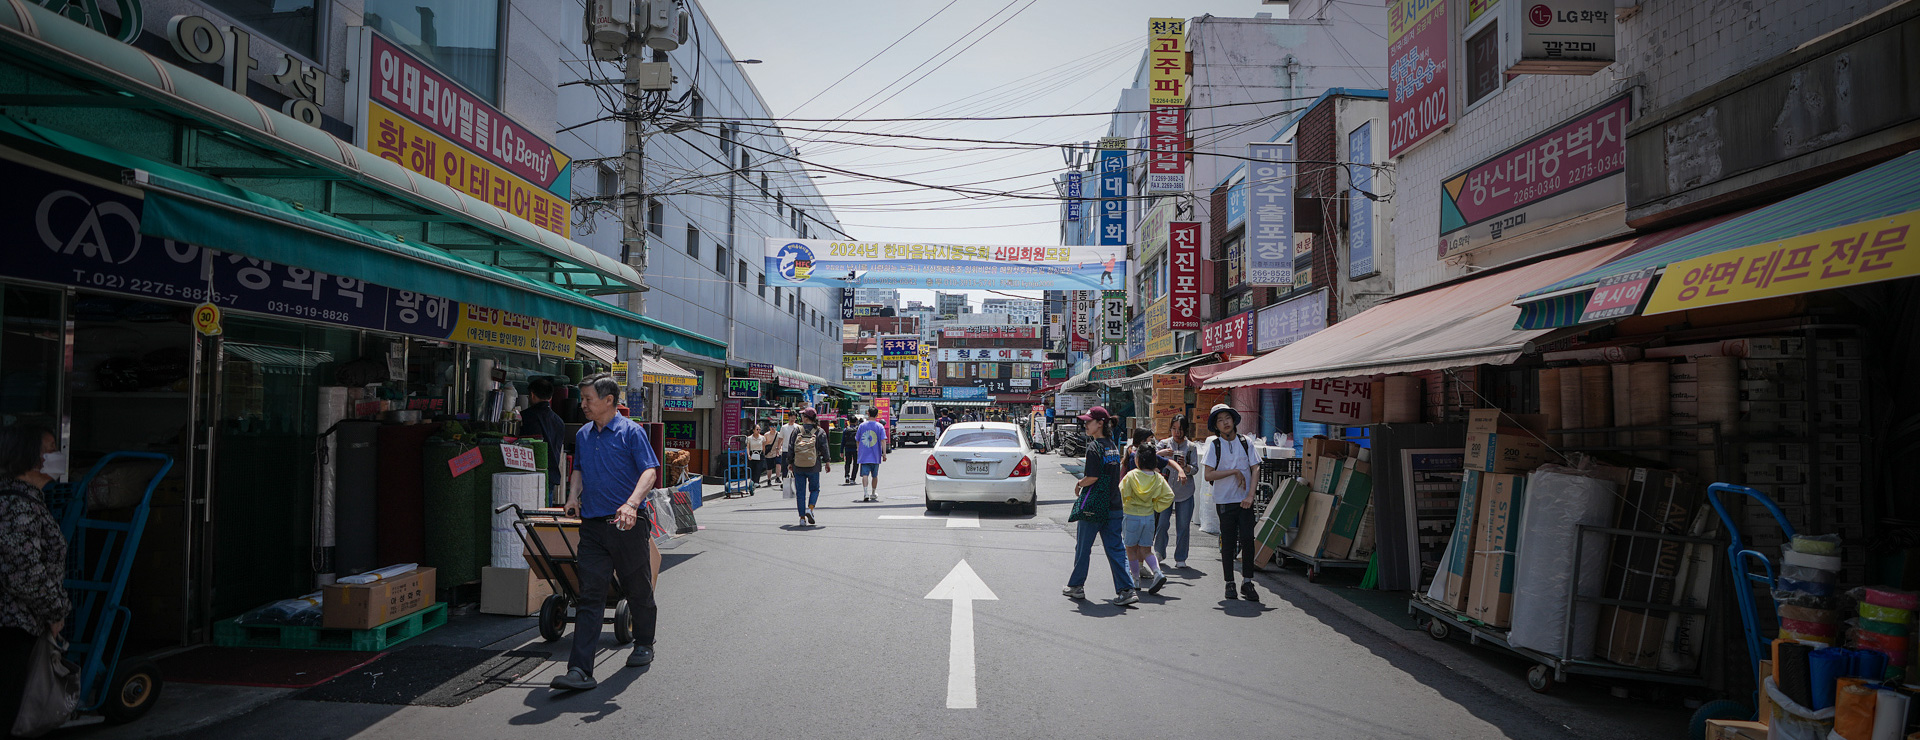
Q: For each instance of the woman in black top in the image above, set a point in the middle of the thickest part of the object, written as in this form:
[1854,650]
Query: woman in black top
[1100,518]
[33,558]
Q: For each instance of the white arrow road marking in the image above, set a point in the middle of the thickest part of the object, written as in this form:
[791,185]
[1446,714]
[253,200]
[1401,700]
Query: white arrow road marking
[964,519]
[962,587]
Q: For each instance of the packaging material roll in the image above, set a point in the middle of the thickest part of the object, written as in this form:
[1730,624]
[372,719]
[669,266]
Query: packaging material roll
[525,489]
[1647,384]
[1868,664]
[1403,399]
[1572,412]
[1596,401]
[1792,664]
[1853,713]
[356,473]
[333,406]
[1559,501]
[482,387]
[1791,556]
[1885,596]
[1549,387]
[1825,667]
[453,543]
[1816,545]
[1889,714]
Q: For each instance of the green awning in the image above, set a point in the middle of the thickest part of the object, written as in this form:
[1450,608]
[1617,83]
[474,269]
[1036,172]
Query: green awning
[1887,190]
[195,209]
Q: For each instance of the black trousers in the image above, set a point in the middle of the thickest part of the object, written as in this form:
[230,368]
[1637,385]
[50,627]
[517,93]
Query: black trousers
[1236,534]
[16,650]
[604,552]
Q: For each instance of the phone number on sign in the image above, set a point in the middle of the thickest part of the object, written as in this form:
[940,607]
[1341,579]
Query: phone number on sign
[155,288]
[310,312]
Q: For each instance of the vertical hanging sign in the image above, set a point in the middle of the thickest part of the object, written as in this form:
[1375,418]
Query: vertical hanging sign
[1167,61]
[1360,203]
[1167,99]
[1113,192]
[1074,187]
[1270,214]
[1082,318]
[1113,317]
[1183,275]
[1417,44]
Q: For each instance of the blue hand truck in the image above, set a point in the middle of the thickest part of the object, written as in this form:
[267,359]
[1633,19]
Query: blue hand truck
[740,480]
[100,556]
[1750,568]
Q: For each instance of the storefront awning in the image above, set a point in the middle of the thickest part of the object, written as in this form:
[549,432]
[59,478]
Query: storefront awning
[605,353]
[660,370]
[1469,322]
[1177,367]
[1198,375]
[1076,382]
[1887,191]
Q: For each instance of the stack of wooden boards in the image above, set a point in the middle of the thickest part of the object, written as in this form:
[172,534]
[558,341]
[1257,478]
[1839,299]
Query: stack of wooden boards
[1327,512]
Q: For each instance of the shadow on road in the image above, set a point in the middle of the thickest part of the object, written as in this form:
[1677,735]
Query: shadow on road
[1098,609]
[591,705]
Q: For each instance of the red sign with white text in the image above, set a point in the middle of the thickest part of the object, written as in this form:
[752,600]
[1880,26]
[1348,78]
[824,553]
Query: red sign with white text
[1166,149]
[1337,401]
[426,97]
[1183,275]
[1417,51]
[1232,336]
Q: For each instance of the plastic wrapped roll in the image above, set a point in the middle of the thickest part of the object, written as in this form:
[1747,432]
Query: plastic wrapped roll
[526,490]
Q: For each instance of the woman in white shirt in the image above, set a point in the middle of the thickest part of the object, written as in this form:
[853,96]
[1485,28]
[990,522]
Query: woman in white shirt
[1228,465]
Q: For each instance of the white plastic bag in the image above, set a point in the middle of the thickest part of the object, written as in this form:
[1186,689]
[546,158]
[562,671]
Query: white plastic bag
[1791,721]
[786,487]
[1559,500]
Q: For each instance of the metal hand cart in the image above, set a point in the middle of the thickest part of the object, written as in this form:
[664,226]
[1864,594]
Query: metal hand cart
[100,556]
[740,478]
[1741,562]
[559,566]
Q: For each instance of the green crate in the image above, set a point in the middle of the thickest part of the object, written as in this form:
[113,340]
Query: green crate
[228,634]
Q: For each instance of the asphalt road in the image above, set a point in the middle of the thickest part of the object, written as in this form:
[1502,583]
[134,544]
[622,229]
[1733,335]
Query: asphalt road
[769,630]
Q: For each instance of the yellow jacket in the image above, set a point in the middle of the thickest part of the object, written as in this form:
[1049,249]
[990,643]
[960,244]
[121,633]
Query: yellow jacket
[1144,493]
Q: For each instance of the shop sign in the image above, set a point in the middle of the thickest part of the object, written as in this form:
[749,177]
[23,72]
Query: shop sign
[925,363]
[464,462]
[87,13]
[963,393]
[676,396]
[991,332]
[1166,61]
[1562,36]
[1137,337]
[924,391]
[682,435]
[760,370]
[620,374]
[1359,206]
[743,388]
[999,354]
[1159,338]
[1344,401]
[206,320]
[860,367]
[1074,204]
[1618,296]
[518,458]
[1113,196]
[1282,324]
[824,263]
[1183,275]
[1573,170]
[893,387]
[1113,317]
[1417,44]
[862,386]
[1856,254]
[1110,371]
[730,419]
[1073,404]
[197,40]
[1230,336]
[900,347]
[1166,150]
[406,112]
[1152,234]
[1082,340]
[1270,222]
[846,304]
[1237,200]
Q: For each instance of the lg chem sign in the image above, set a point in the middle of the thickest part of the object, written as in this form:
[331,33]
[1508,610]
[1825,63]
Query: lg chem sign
[89,13]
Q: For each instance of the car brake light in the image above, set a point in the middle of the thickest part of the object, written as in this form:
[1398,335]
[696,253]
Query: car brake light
[1024,469]
[933,467]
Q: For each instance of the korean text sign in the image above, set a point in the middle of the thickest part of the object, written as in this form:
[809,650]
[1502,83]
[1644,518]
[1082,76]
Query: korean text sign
[899,347]
[1183,275]
[1113,317]
[1166,61]
[1865,252]
[1075,182]
[825,263]
[1359,205]
[1233,336]
[1159,337]
[1082,339]
[421,120]
[1113,198]
[1282,324]
[1417,44]
[1270,214]
[1337,401]
[1166,149]
[1494,194]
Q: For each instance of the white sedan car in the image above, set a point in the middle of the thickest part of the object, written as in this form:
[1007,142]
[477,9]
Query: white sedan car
[982,462]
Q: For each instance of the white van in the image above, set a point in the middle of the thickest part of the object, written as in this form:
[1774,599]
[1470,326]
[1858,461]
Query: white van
[916,424]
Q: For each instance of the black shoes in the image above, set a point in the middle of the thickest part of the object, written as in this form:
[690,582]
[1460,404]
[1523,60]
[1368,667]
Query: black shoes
[1231,594]
[641,655]
[1247,592]
[574,680]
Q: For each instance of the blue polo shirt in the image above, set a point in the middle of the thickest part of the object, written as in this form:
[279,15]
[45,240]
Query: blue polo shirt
[609,462]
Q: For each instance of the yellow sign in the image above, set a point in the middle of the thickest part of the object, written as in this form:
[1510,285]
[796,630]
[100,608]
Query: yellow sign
[620,373]
[893,386]
[926,362]
[1159,338]
[492,327]
[206,319]
[1866,252]
[861,386]
[1166,61]
[557,338]
[419,149]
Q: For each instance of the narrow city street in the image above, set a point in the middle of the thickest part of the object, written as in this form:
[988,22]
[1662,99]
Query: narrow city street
[769,629]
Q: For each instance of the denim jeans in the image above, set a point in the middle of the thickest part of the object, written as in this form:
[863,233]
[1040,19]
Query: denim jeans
[1180,515]
[1109,534]
[806,489]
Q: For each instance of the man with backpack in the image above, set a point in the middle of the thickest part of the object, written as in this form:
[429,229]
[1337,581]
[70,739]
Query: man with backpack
[871,450]
[1227,462]
[806,459]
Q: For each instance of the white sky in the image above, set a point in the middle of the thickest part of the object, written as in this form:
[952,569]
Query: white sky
[1053,56]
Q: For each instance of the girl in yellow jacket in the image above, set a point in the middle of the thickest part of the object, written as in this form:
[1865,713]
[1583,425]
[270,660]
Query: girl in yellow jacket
[1143,494]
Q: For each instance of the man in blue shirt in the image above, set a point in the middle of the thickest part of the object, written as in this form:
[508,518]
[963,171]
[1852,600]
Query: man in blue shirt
[613,470]
[873,451]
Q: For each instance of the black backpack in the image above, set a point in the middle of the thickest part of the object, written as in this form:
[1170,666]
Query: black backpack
[1245,448]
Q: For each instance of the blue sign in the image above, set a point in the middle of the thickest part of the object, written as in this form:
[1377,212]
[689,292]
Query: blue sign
[1282,324]
[1137,337]
[1270,214]
[677,396]
[899,347]
[963,393]
[1360,207]
[1074,205]
[1113,198]
[1237,203]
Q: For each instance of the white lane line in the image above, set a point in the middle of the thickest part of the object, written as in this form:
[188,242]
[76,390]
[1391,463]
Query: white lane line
[963,587]
[964,519]
[923,516]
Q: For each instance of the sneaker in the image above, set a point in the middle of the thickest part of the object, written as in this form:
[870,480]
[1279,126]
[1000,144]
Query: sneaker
[1247,592]
[574,680]
[1180,564]
[641,655]
[1232,595]
[809,516]
[1074,592]
[1159,581]
[1126,597]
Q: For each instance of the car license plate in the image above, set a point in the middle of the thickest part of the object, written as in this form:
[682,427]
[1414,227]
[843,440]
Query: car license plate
[978,468]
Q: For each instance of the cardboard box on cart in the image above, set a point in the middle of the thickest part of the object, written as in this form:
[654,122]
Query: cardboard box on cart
[1496,537]
[515,592]
[359,606]
[1459,566]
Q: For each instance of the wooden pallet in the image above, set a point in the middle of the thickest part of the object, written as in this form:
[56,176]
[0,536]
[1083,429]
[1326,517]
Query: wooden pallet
[228,634]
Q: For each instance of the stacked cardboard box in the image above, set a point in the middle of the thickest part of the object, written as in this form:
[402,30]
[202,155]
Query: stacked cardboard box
[1169,399]
[1506,443]
[1276,526]
[1336,516]
[1814,473]
[1458,568]
[1496,536]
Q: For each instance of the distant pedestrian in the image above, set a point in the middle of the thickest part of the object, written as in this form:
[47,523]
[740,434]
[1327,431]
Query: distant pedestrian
[873,451]
[757,443]
[540,419]
[806,459]
[614,468]
[1144,494]
[1180,455]
[1229,467]
[850,446]
[1104,511]
[1142,440]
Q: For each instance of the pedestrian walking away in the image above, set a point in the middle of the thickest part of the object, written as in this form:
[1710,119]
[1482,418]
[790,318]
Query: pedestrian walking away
[1228,465]
[850,446]
[806,459]
[614,468]
[1144,494]
[872,451]
[33,558]
[1099,511]
[540,418]
[1179,455]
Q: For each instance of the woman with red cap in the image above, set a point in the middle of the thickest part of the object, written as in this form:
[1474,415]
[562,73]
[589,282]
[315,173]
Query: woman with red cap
[1098,509]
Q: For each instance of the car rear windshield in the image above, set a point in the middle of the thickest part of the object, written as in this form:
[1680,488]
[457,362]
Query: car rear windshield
[980,438]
